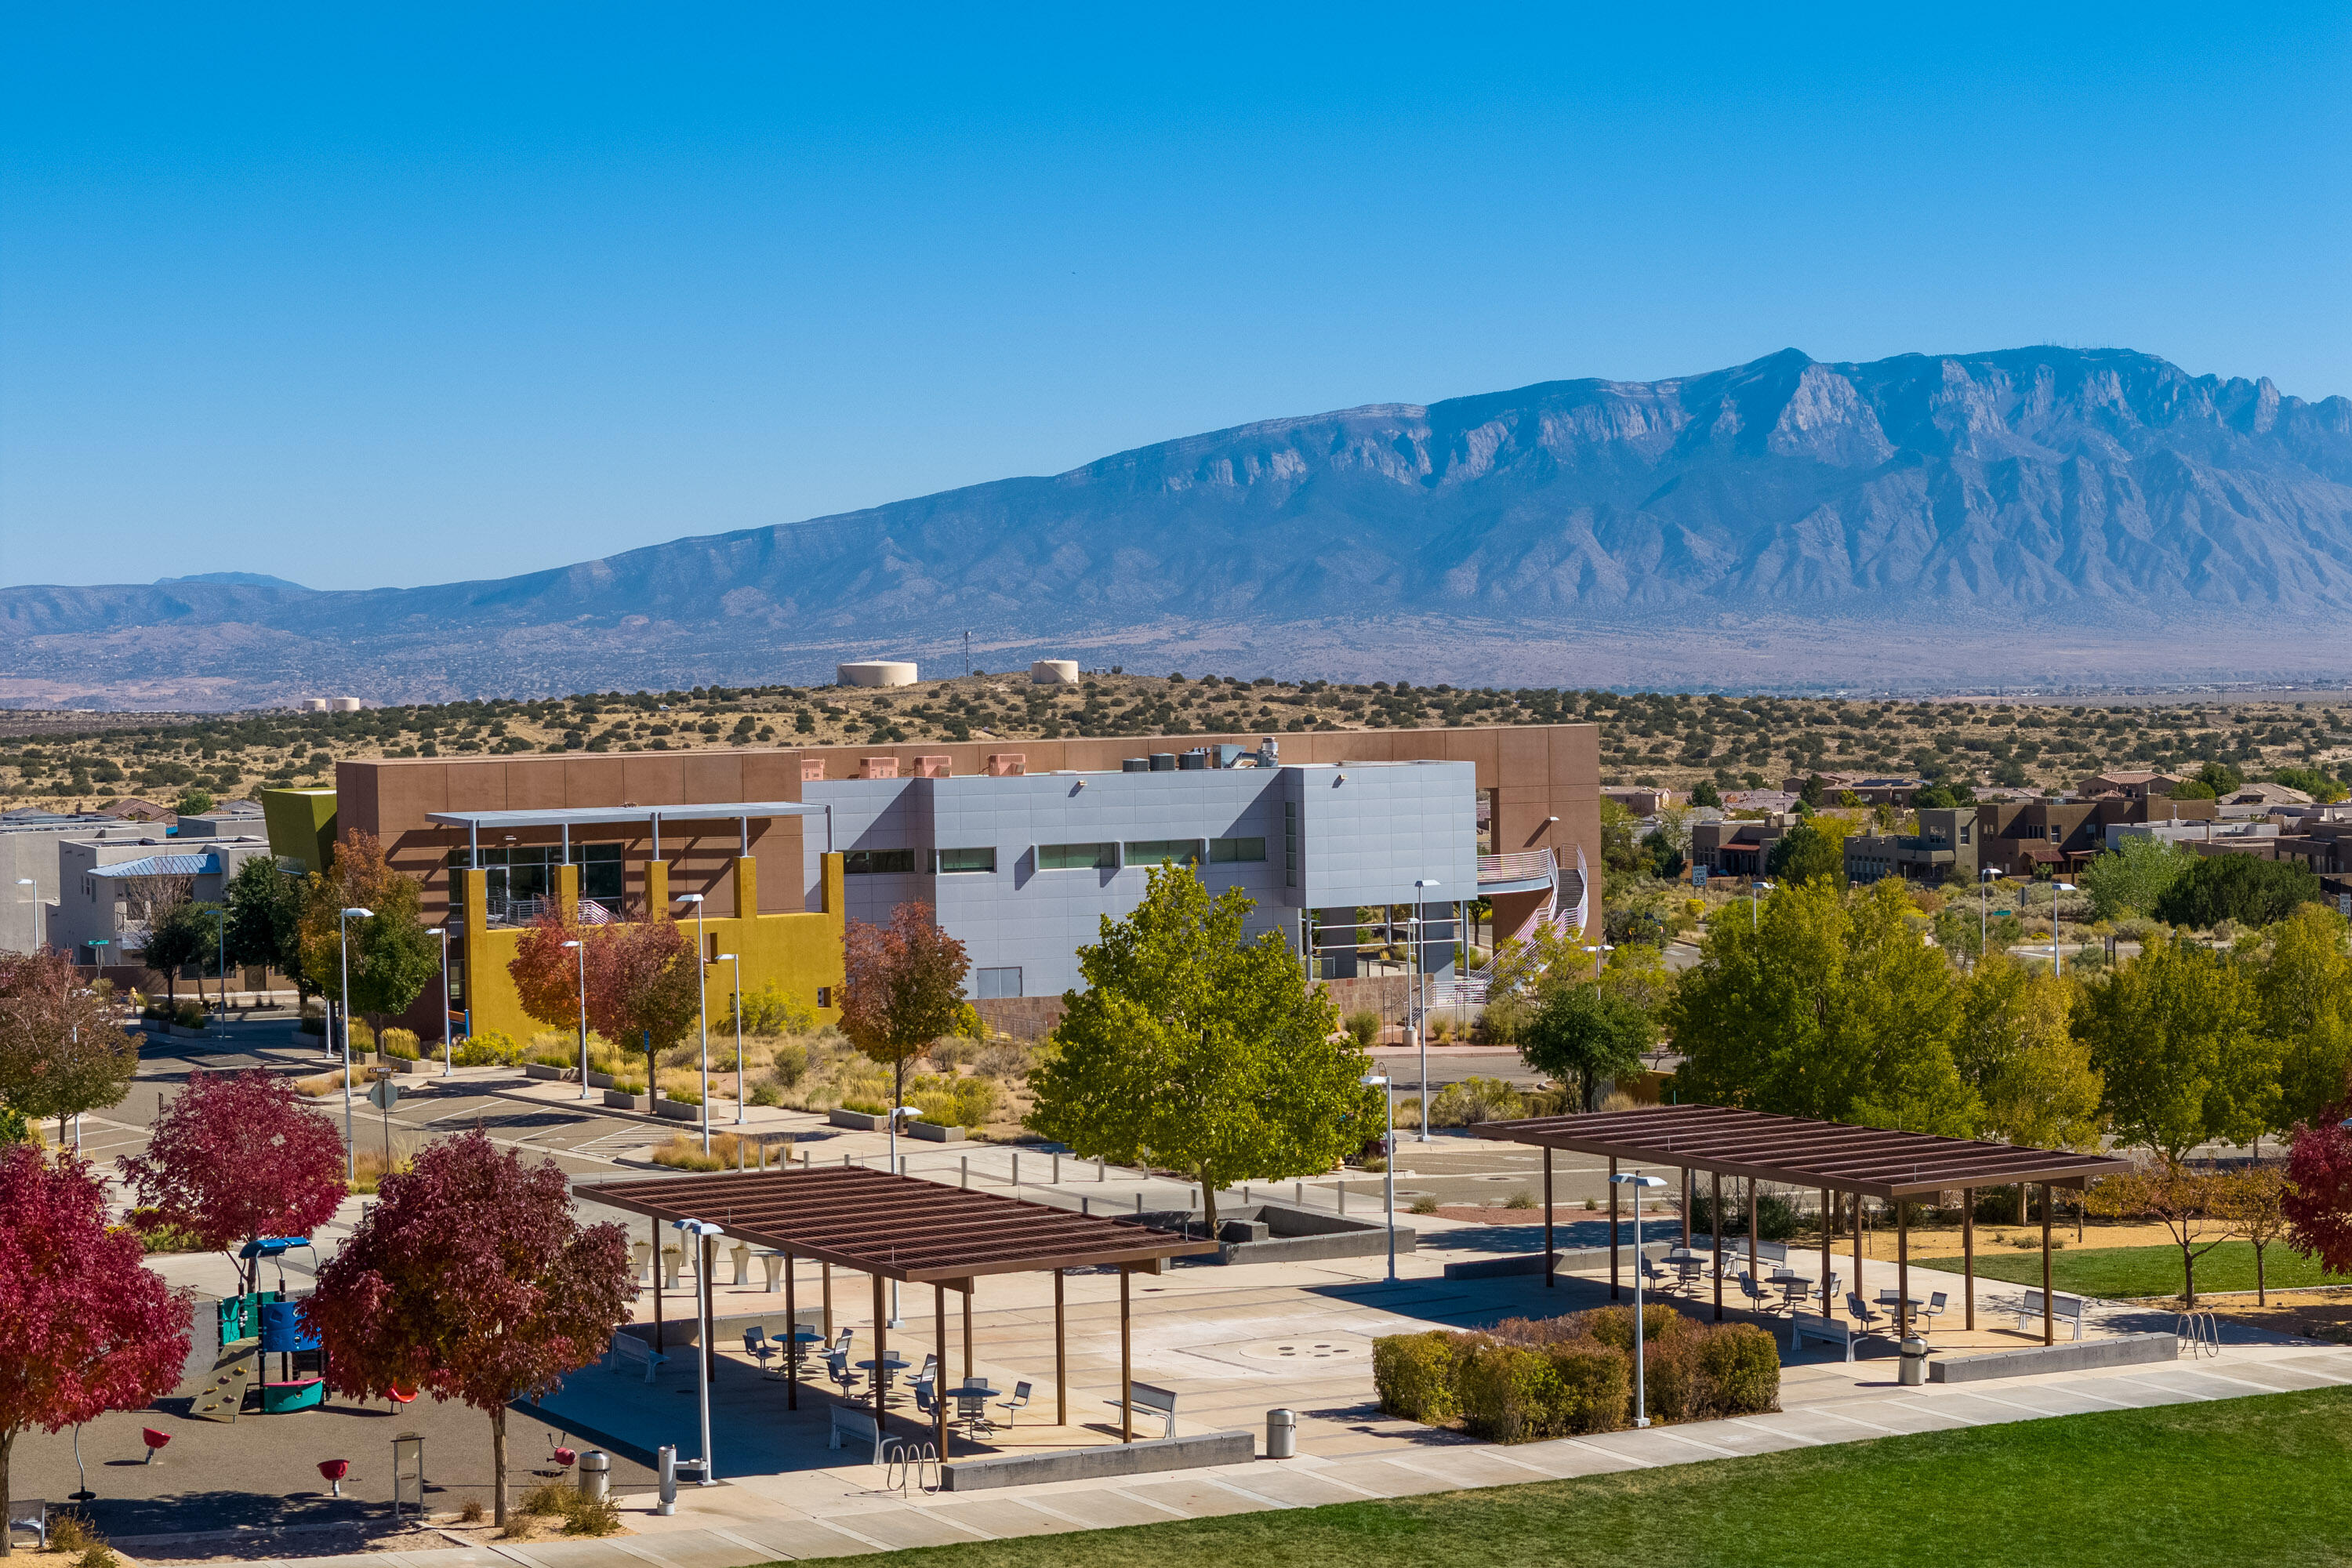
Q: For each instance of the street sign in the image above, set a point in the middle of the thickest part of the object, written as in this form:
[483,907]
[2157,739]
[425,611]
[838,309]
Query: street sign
[384,1093]
[2344,905]
[1698,878]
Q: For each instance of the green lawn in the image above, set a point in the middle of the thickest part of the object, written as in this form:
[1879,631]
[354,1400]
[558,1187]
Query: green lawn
[2239,1480]
[2126,1272]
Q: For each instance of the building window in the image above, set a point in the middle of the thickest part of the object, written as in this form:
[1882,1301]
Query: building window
[1290,844]
[2053,833]
[1162,851]
[876,862]
[952,861]
[1964,838]
[997,984]
[1076,857]
[1228,851]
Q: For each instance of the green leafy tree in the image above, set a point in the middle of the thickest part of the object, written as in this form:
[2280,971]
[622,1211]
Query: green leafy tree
[2221,778]
[2307,1002]
[391,958]
[265,920]
[2131,878]
[2237,888]
[1830,1008]
[180,932]
[2176,1037]
[194,801]
[1814,850]
[2016,1050]
[1704,793]
[2313,782]
[1197,1049]
[1583,1034]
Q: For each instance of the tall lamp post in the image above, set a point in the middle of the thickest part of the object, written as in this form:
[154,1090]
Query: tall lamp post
[582,948]
[702,1011]
[1388,1147]
[737,960]
[449,1052]
[220,937]
[897,1321]
[1641,1185]
[2057,959]
[1421,1031]
[1756,887]
[1986,876]
[705,1236]
[343,938]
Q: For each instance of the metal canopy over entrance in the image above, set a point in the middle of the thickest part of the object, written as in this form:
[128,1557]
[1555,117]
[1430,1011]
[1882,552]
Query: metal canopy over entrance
[895,1227]
[1826,1156]
[740,812]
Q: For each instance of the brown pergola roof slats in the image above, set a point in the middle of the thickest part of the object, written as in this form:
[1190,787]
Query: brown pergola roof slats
[893,1226]
[1791,1152]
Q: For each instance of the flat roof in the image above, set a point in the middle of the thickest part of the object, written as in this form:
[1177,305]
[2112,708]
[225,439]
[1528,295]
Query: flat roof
[1873,1161]
[895,1226]
[580,814]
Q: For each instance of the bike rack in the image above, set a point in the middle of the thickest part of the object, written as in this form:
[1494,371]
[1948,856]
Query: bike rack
[2200,1333]
[909,1462]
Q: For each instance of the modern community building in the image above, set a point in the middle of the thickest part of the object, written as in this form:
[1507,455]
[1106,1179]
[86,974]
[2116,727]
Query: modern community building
[1021,852]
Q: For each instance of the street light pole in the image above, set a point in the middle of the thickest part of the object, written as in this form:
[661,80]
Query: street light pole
[897,1321]
[1756,886]
[448,1053]
[1641,1185]
[583,948]
[702,1011]
[704,1235]
[1984,910]
[2057,959]
[1421,1033]
[220,936]
[343,938]
[1388,1147]
[737,960]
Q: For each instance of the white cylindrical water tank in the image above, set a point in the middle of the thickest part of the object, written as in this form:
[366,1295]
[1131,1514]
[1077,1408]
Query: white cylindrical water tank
[1054,671]
[342,704]
[875,672]
[313,705]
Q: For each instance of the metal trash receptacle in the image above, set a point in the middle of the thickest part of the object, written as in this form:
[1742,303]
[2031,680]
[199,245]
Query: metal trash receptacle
[1282,1433]
[596,1475]
[666,1468]
[1914,1363]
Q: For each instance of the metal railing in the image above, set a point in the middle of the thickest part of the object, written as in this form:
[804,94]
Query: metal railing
[1518,865]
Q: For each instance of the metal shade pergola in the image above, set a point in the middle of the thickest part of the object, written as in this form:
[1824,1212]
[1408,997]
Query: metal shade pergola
[890,1227]
[1827,1156]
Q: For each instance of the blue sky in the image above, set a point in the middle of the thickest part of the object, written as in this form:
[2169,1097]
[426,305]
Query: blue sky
[401,295]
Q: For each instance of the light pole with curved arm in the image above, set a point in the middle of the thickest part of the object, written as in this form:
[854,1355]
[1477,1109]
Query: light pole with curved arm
[343,937]
[582,946]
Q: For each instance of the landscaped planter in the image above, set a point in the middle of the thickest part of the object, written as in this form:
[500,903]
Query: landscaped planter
[675,1111]
[542,1070]
[863,1122]
[405,1064]
[600,1081]
[935,1132]
[621,1101]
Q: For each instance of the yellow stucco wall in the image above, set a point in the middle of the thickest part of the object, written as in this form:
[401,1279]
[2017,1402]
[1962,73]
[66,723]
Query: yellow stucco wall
[800,954]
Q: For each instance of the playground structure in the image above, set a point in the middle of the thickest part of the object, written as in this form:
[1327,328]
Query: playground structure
[253,1326]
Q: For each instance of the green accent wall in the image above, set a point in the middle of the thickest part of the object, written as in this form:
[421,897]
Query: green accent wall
[301,825]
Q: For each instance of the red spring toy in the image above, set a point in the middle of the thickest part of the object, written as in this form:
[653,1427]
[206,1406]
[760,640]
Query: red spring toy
[335,1470]
[155,1441]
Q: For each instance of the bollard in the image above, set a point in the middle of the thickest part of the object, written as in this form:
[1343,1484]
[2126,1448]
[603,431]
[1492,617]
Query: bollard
[1057,1168]
[666,1468]
[1298,1194]
[963,1172]
[1102,1171]
[1281,1434]
[1086,1206]
[595,1474]
[1138,1200]
[1016,1167]
[1343,1197]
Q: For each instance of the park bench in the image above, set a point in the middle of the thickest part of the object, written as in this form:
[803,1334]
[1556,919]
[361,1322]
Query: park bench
[2064,1308]
[629,1350]
[849,1420]
[1803,1326]
[1152,1400]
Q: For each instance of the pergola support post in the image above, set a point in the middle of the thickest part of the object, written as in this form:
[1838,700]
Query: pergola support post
[793,1327]
[2049,1307]
[826,1279]
[654,1225]
[881,1347]
[1551,1254]
[1968,1257]
[968,1373]
[1061,1357]
[1715,1236]
[1857,1249]
[940,1350]
[1686,1207]
[1902,1270]
[1828,1220]
[1612,1229]
[1755,1264]
[1126,1362]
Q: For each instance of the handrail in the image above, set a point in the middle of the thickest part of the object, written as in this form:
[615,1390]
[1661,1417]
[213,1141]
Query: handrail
[1518,865]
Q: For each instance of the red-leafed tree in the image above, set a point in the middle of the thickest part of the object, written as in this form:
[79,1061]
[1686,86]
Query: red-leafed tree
[2318,1200]
[903,989]
[85,1326]
[547,974]
[644,986]
[470,1278]
[239,1155]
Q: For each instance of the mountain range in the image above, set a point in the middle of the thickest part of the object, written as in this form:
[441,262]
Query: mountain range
[2040,516]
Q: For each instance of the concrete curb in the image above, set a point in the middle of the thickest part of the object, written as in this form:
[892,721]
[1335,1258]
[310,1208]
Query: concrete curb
[1088,1464]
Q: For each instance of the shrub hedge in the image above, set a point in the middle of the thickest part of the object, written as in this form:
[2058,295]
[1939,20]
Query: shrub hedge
[1530,1378]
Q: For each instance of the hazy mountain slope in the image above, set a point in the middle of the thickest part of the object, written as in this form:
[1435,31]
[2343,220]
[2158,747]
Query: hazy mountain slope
[1983,493]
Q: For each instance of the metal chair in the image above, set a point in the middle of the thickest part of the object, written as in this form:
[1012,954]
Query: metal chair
[1939,1304]
[1018,1403]
[1861,1313]
[759,1347]
[1795,1292]
[845,1376]
[1657,1278]
[971,1409]
[1755,1293]
[926,1402]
